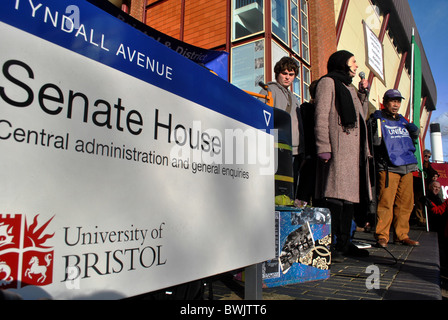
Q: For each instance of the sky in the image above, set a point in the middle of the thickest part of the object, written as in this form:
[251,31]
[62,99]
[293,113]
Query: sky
[430,17]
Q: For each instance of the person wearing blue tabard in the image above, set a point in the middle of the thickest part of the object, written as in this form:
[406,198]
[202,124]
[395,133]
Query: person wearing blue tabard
[394,138]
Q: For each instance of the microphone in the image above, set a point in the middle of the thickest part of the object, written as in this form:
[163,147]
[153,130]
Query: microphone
[263,85]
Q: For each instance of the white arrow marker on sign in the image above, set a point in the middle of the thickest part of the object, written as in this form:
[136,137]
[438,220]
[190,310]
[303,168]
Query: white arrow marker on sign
[267,117]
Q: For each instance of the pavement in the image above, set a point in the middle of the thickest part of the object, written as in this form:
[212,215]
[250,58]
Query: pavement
[405,273]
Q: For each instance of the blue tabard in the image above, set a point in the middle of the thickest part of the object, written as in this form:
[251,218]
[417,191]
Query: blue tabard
[399,144]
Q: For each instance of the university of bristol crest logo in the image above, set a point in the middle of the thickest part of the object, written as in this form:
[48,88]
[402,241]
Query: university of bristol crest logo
[24,257]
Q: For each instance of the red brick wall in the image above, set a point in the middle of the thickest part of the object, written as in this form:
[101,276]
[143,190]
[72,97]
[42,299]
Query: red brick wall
[322,35]
[136,8]
[203,24]
[166,17]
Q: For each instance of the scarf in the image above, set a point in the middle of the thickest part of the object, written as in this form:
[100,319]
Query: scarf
[338,70]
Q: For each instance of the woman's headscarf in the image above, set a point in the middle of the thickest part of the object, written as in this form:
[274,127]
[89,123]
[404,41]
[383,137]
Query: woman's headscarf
[338,70]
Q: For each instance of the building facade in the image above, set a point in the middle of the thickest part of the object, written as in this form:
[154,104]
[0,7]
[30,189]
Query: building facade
[257,33]
[391,23]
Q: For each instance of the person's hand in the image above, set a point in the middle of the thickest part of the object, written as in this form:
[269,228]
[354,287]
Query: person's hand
[364,85]
[426,201]
[411,127]
[324,156]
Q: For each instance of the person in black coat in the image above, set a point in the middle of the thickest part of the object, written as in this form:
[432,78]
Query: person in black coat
[307,174]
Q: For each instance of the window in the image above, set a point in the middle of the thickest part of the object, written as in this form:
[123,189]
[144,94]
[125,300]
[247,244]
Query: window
[296,86]
[279,19]
[290,29]
[277,53]
[305,30]
[247,18]
[306,83]
[248,66]
[295,36]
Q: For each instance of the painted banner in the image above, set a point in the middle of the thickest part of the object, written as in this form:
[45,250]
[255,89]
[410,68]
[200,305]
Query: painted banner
[125,167]
[442,169]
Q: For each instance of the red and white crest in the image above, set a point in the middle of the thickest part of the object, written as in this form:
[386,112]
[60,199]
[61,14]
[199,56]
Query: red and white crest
[24,258]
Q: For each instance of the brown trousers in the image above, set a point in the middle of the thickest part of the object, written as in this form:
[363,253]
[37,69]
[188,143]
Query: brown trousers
[395,204]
